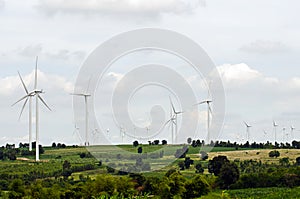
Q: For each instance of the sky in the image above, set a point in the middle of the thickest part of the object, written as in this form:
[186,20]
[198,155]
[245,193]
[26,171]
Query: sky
[255,46]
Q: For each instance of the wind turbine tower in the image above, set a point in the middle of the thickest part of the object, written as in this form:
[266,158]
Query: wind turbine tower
[275,125]
[86,95]
[248,126]
[176,113]
[36,92]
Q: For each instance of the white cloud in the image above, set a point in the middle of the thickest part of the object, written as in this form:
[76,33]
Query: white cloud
[240,73]
[120,7]
[61,54]
[9,85]
[265,47]
[31,51]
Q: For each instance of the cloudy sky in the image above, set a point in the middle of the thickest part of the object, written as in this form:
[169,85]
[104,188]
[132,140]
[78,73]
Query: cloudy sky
[255,45]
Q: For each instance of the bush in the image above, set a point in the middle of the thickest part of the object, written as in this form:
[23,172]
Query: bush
[274,154]
[228,175]
[203,155]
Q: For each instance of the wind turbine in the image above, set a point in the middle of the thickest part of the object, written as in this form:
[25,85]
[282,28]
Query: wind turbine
[248,126]
[176,113]
[95,134]
[76,133]
[30,110]
[86,95]
[171,121]
[209,114]
[292,131]
[275,125]
[36,92]
[283,134]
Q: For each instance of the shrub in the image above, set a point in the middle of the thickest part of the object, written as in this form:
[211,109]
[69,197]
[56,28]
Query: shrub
[274,153]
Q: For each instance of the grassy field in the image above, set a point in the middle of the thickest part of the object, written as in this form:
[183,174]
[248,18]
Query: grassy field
[53,158]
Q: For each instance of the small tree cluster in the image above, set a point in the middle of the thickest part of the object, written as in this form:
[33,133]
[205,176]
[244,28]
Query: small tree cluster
[181,153]
[274,153]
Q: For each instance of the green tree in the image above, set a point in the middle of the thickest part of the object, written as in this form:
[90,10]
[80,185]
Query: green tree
[274,153]
[214,165]
[172,186]
[199,168]
[228,175]
[17,189]
[135,143]
[196,187]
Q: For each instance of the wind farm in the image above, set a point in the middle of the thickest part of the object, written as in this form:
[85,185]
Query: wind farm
[149,99]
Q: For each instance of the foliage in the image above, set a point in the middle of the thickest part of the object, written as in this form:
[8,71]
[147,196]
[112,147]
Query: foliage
[135,143]
[274,153]
[228,175]
[215,165]
[199,168]
[203,155]
[181,153]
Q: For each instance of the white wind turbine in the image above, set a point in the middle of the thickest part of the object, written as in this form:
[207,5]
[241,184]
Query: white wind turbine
[176,113]
[292,131]
[77,134]
[86,95]
[275,125]
[283,134]
[36,92]
[30,111]
[171,121]
[209,115]
[248,126]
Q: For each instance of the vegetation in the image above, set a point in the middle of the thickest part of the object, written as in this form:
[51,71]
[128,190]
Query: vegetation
[73,172]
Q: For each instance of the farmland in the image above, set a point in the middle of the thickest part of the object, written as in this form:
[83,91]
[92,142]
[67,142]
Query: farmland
[80,168]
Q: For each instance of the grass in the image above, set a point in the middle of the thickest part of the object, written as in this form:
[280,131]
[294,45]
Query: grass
[266,193]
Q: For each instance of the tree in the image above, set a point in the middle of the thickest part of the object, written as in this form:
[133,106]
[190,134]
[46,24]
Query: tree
[172,186]
[181,153]
[155,142]
[274,153]
[214,165]
[284,161]
[199,168]
[203,155]
[53,145]
[140,150]
[66,165]
[135,143]
[1,155]
[181,165]
[196,187]
[164,142]
[228,175]
[189,140]
[188,162]
[298,161]
[17,189]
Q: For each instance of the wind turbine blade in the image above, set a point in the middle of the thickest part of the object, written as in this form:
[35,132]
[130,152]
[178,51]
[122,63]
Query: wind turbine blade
[35,76]
[20,100]
[23,108]
[77,94]
[246,124]
[202,102]
[88,87]
[23,83]
[44,102]
[172,105]
[209,108]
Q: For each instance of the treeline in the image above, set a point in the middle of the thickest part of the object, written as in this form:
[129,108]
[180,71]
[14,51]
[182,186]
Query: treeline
[9,152]
[254,145]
